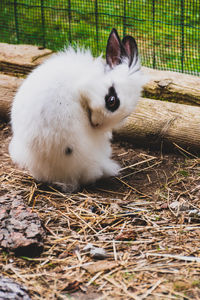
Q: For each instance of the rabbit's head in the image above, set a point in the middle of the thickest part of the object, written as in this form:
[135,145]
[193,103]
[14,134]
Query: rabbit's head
[114,93]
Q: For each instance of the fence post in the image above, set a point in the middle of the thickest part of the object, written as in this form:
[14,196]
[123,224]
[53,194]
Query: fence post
[124,19]
[16,21]
[182,35]
[154,38]
[43,23]
[97,24]
[69,18]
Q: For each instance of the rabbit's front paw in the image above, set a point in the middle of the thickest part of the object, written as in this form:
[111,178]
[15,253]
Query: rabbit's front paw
[111,168]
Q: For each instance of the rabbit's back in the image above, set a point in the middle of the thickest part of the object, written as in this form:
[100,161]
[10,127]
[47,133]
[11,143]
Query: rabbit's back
[54,84]
[49,99]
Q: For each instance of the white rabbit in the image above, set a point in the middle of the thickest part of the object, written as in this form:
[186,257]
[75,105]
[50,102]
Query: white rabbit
[63,113]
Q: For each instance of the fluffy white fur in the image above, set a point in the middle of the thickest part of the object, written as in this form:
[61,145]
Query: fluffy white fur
[61,104]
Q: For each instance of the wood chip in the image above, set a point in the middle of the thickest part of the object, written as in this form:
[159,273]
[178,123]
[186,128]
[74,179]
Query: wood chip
[101,266]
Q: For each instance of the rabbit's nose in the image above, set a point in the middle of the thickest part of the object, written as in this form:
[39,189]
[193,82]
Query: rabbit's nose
[95,125]
[97,118]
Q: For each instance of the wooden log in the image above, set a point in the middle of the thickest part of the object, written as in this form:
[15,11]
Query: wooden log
[8,87]
[172,86]
[155,122]
[21,59]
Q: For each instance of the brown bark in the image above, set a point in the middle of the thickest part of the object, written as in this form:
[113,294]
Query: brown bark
[21,230]
[10,289]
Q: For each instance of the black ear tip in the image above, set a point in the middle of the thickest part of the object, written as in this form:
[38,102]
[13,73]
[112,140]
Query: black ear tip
[130,39]
[114,32]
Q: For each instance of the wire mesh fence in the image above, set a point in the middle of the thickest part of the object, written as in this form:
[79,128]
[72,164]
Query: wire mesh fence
[167,31]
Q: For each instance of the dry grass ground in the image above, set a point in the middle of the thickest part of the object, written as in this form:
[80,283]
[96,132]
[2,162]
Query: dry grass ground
[147,220]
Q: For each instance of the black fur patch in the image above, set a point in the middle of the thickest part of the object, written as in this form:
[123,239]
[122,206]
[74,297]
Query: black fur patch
[68,150]
[112,101]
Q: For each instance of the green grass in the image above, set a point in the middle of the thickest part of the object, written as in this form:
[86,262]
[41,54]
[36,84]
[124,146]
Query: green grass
[156,24]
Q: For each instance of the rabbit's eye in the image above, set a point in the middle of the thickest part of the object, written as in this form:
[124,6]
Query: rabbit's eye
[111,100]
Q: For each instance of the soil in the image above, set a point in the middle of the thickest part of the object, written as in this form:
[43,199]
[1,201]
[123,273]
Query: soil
[147,220]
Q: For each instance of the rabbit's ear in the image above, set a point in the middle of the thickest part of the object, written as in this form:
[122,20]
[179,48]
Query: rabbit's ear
[131,48]
[114,50]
